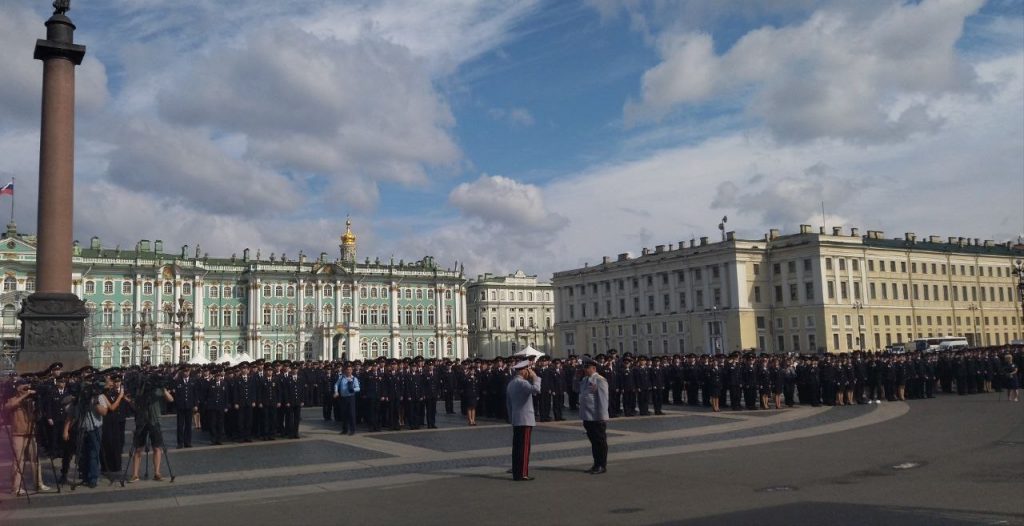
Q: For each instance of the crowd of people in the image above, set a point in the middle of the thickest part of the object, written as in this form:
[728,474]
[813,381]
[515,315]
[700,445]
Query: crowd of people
[82,414]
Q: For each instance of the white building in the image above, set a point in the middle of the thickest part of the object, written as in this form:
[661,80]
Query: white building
[507,313]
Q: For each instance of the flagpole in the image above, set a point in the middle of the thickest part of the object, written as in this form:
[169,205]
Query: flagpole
[12,200]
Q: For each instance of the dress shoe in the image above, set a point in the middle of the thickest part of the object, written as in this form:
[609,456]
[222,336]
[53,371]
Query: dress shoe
[524,479]
[591,470]
[599,471]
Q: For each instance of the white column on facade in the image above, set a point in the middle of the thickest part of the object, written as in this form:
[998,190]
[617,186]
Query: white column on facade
[198,335]
[394,329]
[738,279]
[255,290]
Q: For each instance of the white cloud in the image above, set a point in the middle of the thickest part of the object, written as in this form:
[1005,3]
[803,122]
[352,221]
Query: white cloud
[21,88]
[504,201]
[515,116]
[862,76]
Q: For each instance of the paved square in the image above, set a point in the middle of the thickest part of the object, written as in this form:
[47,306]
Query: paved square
[664,423]
[280,453]
[481,437]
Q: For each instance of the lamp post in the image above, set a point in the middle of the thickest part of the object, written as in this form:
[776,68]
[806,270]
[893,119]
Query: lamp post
[974,323]
[716,333]
[140,328]
[1018,269]
[179,317]
[858,305]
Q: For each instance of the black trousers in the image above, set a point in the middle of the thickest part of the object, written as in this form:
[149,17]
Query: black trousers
[521,451]
[574,400]
[328,401]
[659,399]
[216,419]
[348,414]
[629,402]
[373,414]
[597,433]
[449,402]
[614,402]
[557,402]
[268,421]
[643,401]
[292,417]
[244,421]
[184,427]
[393,407]
[431,411]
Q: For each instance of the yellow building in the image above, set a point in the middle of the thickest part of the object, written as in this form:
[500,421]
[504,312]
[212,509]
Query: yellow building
[804,292]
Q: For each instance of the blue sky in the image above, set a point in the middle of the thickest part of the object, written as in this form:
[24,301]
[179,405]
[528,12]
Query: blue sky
[527,134]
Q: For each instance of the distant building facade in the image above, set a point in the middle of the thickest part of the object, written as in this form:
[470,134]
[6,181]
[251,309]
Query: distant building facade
[507,313]
[147,305]
[804,292]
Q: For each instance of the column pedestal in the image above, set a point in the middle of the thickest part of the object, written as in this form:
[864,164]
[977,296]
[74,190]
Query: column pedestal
[52,330]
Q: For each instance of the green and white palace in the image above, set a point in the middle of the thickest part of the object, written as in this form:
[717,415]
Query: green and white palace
[148,305]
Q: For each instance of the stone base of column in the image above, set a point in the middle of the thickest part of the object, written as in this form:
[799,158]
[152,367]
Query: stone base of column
[52,330]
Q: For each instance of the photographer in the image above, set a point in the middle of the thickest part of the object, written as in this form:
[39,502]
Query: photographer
[147,402]
[20,414]
[90,424]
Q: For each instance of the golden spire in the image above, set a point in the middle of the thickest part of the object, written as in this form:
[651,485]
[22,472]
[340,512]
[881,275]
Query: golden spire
[348,238]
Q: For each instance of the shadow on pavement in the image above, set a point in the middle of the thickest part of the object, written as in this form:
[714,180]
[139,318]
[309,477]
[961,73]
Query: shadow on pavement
[840,514]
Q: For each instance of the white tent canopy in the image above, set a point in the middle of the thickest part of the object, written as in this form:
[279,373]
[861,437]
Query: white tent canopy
[529,353]
[239,358]
[198,359]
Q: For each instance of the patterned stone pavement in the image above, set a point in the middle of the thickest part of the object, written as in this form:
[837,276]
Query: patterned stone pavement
[324,460]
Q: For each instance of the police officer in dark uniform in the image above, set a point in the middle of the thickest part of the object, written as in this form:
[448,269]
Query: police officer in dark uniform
[268,403]
[216,407]
[293,398]
[243,399]
[185,405]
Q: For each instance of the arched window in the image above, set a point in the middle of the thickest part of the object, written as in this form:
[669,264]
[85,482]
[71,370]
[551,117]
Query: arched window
[529,296]
[126,354]
[126,287]
[363,348]
[168,288]
[408,294]
[226,348]
[346,314]
[363,315]
[228,291]
[308,290]
[398,347]
[147,355]
[279,352]
[214,352]
[147,288]
[126,314]
[290,352]
[307,351]
[291,315]
[328,315]
[186,289]
[310,318]
[291,291]
[279,291]
[346,291]
[374,349]
[430,293]
[90,286]
[213,318]
[385,317]
[419,347]
[419,315]
[266,351]
[432,349]
[385,348]
[166,354]
[186,353]
[328,291]
[430,316]
[107,354]
[448,348]
[266,315]
[384,292]
[214,291]
[108,287]
[373,292]
[448,294]
[447,315]
[362,292]
[410,347]
[108,314]
[267,292]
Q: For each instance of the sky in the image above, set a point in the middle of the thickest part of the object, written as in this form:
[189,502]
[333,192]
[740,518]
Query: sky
[524,134]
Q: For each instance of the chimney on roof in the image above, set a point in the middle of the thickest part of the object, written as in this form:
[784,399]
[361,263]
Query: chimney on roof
[821,230]
[990,243]
[659,249]
[934,239]
[144,245]
[158,246]
[644,251]
[854,232]
[977,241]
[94,243]
[952,240]
[623,256]
[605,260]
[837,231]
[909,236]
[805,229]
[960,241]
[693,243]
[773,234]
[703,240]
[730,236]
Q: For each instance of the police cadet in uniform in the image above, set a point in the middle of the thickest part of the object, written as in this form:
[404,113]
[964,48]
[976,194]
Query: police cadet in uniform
[627,385]
[216,407]
[608,370]
[371,389]
[243,400]
[659,384]
[450,385]
[642,378]
[432,389]
[185,405]
[293,398]
[268,403]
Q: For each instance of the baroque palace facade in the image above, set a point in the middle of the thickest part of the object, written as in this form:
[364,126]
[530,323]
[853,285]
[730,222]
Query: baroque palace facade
[508,313]
[147,305]
[804,292]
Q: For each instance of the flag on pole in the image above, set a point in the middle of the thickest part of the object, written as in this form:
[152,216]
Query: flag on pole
[7,189]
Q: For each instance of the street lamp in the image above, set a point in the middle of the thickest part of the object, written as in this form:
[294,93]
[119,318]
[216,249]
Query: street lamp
[716,333]
[1019,271]
[140,328]
[974,322]
[858,305]
[179,317]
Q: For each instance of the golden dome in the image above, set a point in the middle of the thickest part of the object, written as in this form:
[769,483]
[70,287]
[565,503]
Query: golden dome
[348,238]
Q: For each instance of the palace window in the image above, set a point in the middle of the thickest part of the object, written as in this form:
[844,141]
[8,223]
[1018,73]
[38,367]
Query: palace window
[186,289]
[108,287]
[328,291]
[10,284]
[126,287]
[168,288]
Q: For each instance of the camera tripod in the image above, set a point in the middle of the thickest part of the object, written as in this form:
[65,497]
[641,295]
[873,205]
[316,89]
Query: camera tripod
[133,449]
